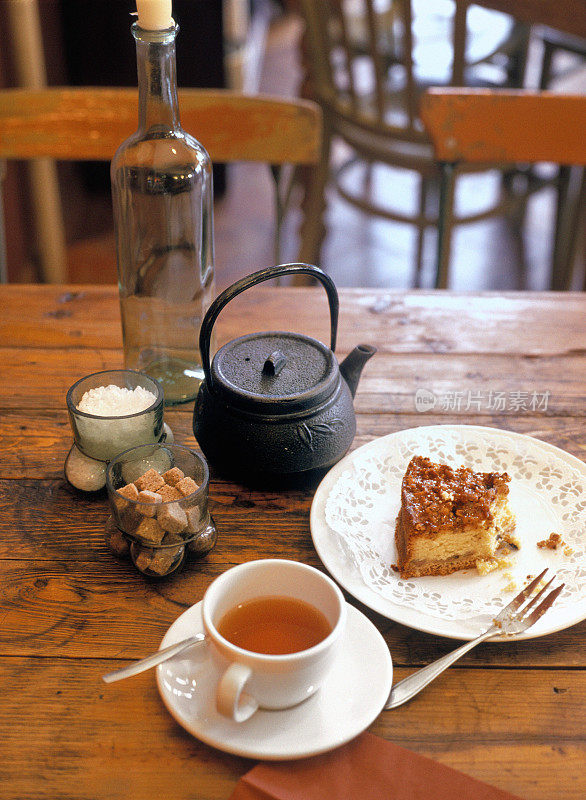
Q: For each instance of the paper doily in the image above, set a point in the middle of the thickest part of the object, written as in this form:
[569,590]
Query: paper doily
[360,500]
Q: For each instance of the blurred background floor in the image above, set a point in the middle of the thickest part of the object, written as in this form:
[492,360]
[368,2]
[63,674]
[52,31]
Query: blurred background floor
[359,250]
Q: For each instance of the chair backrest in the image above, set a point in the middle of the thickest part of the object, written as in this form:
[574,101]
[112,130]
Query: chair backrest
[369,60]
[476,125]
[89,123]
[484,126]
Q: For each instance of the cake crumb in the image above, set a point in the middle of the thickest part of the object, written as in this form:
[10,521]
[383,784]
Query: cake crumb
[552,542]
[511,539]
[512,585]
[484,566]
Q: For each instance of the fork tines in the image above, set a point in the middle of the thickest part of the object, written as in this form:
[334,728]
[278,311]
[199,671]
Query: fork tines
[526,593]
[544,605]
[518,601]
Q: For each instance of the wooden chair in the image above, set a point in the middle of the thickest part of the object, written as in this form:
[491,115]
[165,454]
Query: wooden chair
[368,68]
[89,123]
[556,43]
[470,126]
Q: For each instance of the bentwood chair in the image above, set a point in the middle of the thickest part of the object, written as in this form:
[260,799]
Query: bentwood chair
[368,63]
[89,123]
[470,126]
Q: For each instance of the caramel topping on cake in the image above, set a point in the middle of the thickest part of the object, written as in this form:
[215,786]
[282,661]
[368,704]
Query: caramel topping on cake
[437,497]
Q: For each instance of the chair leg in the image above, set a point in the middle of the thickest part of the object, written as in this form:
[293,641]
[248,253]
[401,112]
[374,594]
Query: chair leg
[516,221]
[50,226]
[421,226]
[279,212]
[562,198]
[444,224]
[312,229]
[570,208]
[25,37]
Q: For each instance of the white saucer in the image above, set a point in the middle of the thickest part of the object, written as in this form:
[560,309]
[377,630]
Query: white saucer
[352,697]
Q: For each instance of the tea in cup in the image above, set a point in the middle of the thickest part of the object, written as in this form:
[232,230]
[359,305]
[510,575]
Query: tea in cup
[275,628]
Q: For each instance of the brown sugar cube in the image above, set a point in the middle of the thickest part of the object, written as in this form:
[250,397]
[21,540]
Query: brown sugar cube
[164,559]
[115,540]
[129,518]
[169,493]
[150,481]
[143,558]
[148,502]
[193,516]
[187,486]
[167,557]
[173,538]
[172,518]
[173,476]
[150,530]
[128,492]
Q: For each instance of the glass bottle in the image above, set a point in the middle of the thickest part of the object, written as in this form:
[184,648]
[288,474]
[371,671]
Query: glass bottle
[163,214]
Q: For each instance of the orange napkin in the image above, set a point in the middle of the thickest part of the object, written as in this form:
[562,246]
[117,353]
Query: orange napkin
[368,768]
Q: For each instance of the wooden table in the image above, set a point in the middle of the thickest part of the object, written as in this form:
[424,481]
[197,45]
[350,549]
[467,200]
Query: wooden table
[514,715]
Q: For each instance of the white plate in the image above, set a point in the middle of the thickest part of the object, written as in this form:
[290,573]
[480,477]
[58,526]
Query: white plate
[351,698]
[353,520]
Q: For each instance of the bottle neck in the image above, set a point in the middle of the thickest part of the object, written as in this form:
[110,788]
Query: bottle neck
[157,79]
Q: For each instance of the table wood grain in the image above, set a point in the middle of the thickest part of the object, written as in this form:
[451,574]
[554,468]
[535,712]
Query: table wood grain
[513,716]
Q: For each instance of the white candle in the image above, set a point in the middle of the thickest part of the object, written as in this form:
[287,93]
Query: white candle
[155,15]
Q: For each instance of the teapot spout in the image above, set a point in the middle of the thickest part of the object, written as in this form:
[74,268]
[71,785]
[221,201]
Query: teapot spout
[352,366]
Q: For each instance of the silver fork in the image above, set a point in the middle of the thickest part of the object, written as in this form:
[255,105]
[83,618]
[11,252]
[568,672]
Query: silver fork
[512,620]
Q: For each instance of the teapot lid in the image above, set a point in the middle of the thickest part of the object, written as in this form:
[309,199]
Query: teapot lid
[274,372]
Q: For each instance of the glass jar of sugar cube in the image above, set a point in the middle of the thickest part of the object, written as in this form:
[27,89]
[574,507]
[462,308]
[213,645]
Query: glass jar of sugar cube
[109,412]
[159,502]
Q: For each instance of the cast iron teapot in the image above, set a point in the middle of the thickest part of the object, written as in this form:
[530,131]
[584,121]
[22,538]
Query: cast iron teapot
[276,405]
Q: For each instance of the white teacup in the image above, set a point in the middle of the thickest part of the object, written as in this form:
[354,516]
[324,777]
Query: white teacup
[252,680]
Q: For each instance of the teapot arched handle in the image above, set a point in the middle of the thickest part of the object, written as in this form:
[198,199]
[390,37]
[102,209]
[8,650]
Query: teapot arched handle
[240,286]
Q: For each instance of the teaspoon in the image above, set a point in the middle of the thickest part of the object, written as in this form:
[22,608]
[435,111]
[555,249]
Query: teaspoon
[153,660]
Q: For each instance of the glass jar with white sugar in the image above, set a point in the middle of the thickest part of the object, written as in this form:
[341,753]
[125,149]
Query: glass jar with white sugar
[114,410]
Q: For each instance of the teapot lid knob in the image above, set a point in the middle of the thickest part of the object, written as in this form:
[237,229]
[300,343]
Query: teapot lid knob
[274,363]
